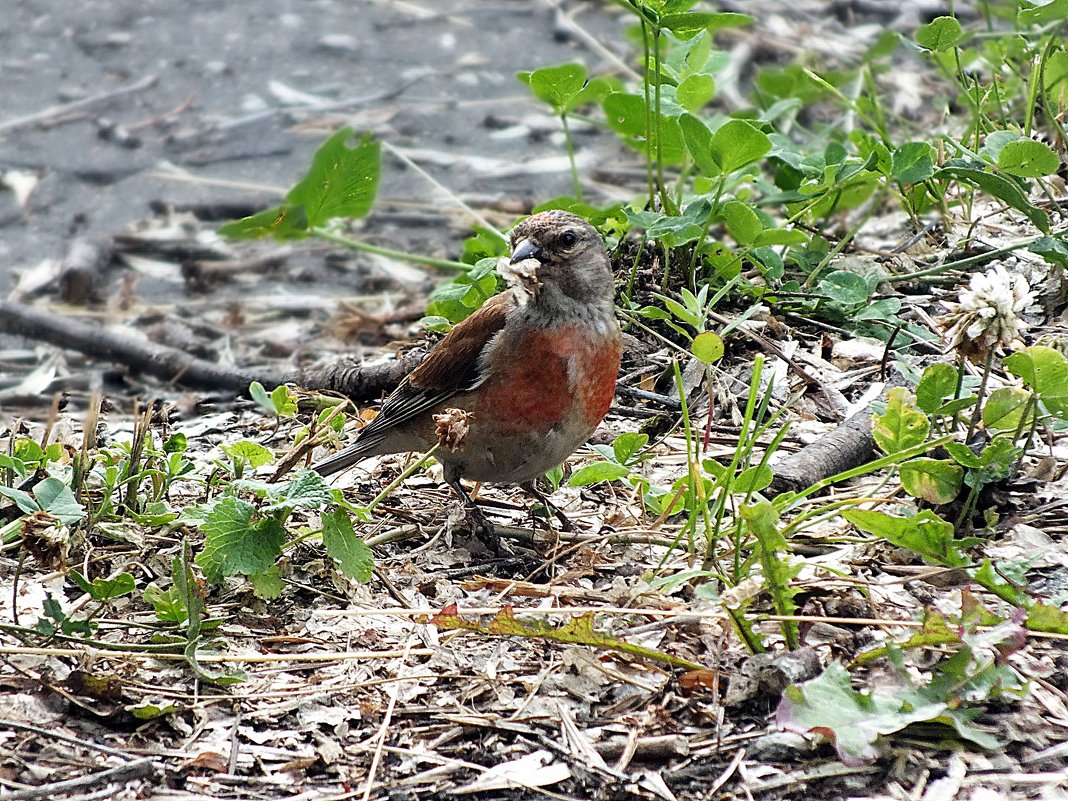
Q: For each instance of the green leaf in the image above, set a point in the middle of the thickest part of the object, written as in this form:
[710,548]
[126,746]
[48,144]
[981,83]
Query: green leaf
[1053,251]
[912,163]
[938,382]
[625,113]
[56,498]
[1027,158]
[268,584]
[1001,188]
[342,180]
[694,91]
[844,287]
[627,446]
[934,480]
[763,520]
[306,490]
[707,347]
[150,711]
[176,443]
[925,534]
[26,450]
[235,544]
[1042,617]
[674,231]
[1004,409]
[1044,370]
[596,473]
[556,85]
[251,452]
[963,455]
[23,500]
[687,26]
[752,479]
[1039,12]
[902,425]
[102,589]
[743,223]
[167,604]
[939,35]
[852,721]
[345,547]
[281,401]
[734,145]
[283,223]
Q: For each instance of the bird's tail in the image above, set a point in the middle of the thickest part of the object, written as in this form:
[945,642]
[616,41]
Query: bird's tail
[346,457]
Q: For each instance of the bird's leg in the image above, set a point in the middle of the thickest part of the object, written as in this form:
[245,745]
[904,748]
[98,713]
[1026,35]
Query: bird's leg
[480,525]
[530,489]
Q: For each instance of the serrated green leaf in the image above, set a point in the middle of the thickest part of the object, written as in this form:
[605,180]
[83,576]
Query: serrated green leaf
[236,544]
[925,534]
[345,547]
[852,721]
[306,490]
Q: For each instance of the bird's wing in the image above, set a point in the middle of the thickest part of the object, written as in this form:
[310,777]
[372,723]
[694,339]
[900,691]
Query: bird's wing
[452,367]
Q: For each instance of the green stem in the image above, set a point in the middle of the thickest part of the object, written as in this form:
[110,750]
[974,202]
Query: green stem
[400,255]
[648,115]
[575,185]
[981,395]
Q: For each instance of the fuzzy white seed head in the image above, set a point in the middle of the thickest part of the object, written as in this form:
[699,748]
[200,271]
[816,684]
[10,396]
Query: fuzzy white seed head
[987,315]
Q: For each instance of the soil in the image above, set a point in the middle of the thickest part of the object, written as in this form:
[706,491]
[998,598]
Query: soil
[435,76]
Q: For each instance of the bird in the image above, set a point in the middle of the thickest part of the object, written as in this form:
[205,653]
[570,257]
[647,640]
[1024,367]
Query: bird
[515,388]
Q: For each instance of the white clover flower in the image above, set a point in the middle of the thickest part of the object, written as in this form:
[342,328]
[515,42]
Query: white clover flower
[988,314]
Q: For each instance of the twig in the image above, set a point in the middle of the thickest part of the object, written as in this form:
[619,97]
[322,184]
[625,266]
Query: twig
[249,658]
[85,102]
[55,735]
[382,730]
[456,199]
[120,773]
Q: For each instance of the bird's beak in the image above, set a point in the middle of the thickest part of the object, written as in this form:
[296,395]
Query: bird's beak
[525,250]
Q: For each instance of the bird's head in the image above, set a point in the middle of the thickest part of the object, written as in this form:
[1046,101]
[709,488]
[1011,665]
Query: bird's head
[560,259]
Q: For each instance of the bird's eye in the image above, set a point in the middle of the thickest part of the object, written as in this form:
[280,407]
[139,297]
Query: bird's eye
[568,239]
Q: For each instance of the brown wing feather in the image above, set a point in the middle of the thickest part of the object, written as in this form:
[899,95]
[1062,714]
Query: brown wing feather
[450,368]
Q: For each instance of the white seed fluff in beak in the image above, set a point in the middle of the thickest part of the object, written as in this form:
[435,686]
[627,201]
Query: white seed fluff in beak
[522,275]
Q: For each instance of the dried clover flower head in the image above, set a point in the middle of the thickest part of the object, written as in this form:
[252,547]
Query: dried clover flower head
[987,318]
